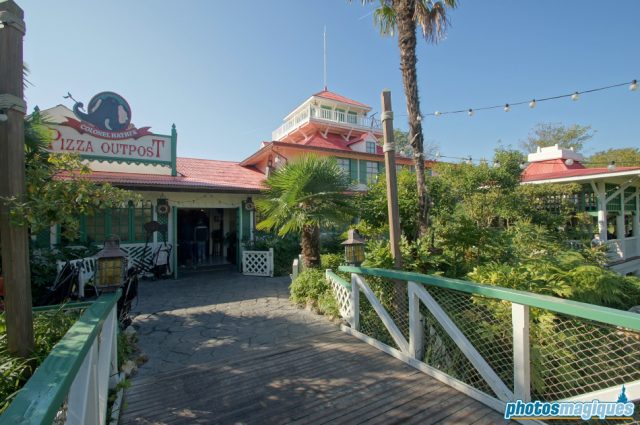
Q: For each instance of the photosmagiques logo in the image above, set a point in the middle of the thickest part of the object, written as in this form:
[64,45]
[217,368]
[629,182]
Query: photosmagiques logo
[618,410]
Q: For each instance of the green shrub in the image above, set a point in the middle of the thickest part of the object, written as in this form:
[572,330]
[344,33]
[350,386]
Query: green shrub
[328,305]
[331,261]
[49,327]
[308,286]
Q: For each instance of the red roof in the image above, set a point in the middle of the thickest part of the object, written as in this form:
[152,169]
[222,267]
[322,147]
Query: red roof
[193,173]
[339,98]
[569,171]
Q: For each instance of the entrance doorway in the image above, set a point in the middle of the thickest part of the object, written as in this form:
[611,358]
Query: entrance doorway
[207,237]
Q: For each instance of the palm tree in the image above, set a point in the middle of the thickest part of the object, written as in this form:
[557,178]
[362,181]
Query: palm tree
[303,196]
[403,17]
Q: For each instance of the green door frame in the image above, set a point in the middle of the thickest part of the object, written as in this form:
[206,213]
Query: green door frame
[174,230]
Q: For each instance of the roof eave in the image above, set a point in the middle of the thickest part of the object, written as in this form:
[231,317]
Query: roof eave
[600,176]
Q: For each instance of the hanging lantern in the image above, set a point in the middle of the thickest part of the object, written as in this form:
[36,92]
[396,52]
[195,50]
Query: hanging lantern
[354,249]
[111,266]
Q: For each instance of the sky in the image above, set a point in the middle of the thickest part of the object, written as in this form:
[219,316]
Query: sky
[227,73]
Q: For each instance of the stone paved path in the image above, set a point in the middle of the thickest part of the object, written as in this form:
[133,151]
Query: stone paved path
[215,316]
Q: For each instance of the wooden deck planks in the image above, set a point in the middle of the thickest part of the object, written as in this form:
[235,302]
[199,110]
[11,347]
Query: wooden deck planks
[334,379]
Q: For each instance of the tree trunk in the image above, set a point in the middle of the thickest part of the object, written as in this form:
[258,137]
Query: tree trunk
[310,242]
[407,44]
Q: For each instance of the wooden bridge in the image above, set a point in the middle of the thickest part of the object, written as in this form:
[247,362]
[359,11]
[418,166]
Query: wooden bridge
[328,378]
[226,348]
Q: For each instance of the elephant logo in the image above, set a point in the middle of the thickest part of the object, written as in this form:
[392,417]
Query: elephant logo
[107,111]
[108,116]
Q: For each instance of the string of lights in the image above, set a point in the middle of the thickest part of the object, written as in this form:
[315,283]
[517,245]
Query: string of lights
[633,86]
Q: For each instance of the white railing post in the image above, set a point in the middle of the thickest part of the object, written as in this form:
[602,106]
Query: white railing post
[82,401]
[355,303]
[521,352]
[416,330]
[105,339]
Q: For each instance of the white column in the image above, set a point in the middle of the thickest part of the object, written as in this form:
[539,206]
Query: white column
[602,211]
[620,228]
[251,224]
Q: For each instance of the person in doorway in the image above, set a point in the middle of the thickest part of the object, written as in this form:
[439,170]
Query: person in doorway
[201,237]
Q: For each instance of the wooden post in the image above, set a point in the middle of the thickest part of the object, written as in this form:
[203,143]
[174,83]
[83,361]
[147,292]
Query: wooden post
[15,240]
[389,149]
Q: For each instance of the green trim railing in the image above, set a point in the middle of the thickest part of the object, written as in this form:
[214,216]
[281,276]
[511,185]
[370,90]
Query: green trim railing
[40,400]
[338,279]
[492,343]
[606,315]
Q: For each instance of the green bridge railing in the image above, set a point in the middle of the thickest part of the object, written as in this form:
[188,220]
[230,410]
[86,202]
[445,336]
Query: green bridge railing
[71,385]
[495,344]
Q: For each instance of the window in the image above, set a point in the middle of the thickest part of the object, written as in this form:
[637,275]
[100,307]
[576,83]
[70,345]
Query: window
[344,164]
[126,223]
[628,225]
[340,115]
[352,118]
[120,224]
[95,228]
[371,147]
[141,216]
[372,172]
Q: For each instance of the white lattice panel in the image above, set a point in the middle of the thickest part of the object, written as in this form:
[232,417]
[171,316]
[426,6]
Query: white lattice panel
[257,263]
[342,296]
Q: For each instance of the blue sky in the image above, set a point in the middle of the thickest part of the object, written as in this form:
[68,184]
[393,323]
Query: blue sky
[226,73]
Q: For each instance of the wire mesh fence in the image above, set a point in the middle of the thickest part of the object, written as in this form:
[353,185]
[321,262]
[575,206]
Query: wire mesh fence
[394,298]
[485,322]
[570,356]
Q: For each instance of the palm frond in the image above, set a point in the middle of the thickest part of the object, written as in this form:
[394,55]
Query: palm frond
[432,17]
[308,191]
[385,18]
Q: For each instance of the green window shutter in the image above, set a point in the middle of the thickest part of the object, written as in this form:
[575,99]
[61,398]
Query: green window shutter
[353,168]
[380,167]
[363,172]
[246,223]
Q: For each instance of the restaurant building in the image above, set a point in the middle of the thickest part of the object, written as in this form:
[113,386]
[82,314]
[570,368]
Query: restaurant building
[186,194]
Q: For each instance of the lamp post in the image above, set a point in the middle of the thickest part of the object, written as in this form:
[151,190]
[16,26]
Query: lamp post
[354,249]
[112,265]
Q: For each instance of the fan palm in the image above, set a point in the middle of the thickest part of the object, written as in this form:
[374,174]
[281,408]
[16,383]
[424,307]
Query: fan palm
[304,196]
[403,17]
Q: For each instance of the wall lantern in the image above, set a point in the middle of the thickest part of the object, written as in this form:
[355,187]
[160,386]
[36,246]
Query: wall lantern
[112,265]
[249,205]
[354,249]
